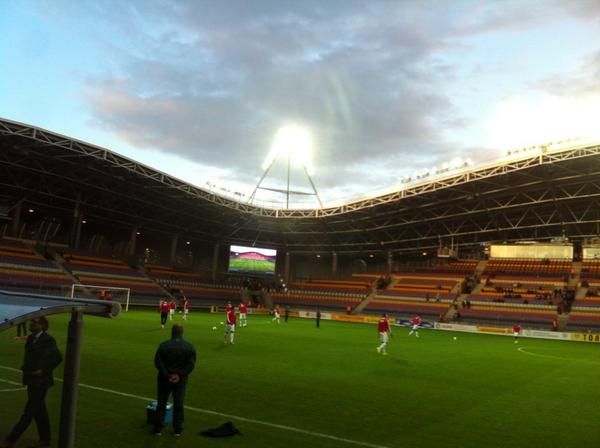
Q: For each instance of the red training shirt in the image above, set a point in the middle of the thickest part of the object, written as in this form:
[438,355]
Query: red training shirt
[230,317]
[383,326]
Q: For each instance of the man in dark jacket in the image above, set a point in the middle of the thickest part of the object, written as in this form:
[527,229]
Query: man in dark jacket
[175,359]
[41,358]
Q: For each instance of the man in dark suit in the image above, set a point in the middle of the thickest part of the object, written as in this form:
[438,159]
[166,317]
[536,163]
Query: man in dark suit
[41,358]
[175,359]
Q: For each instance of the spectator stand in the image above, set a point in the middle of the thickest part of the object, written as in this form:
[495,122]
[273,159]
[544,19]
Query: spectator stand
[202,292]
[99,271]
[23,269]
[531,292]
[334,295]
[584,314]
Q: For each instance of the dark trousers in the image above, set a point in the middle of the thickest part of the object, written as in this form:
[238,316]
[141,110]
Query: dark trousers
[35,409]
[164,389]
[22,329]
[163,318]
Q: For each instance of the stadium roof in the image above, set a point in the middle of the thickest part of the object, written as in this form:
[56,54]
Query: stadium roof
[533,195]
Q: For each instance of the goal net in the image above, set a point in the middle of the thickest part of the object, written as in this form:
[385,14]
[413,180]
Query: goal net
[120,295]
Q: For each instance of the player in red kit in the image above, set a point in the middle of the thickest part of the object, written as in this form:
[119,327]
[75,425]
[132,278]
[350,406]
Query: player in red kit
[416,323]
[385,330]
[516,332]
[164,312]
[172,308]
[186,307]
[276,314]
[230,326]
[243,310]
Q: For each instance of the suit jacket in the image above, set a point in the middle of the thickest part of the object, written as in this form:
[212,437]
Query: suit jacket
[41,354]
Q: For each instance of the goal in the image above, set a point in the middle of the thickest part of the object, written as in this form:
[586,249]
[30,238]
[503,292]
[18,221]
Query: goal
[120,295]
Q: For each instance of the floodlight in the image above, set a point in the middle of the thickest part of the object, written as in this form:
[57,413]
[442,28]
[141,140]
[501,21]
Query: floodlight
[295,142]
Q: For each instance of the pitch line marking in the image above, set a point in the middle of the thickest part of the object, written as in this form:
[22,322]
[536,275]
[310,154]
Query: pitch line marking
[522,350]
[233,417]
[12,383]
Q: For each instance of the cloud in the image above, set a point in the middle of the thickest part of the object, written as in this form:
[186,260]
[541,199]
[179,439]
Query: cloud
[217,82]
[472,18]
[211,82]
[581,81]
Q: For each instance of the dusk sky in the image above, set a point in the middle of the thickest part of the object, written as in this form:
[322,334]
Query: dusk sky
[385,89]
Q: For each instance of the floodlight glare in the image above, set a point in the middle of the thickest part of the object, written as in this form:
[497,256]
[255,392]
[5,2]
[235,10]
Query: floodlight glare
[523,121]
[295,142]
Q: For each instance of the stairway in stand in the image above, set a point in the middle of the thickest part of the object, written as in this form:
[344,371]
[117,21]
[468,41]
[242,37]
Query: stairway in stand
[480,267]
[372,294]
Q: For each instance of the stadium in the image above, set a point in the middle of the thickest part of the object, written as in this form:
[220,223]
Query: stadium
[472,251]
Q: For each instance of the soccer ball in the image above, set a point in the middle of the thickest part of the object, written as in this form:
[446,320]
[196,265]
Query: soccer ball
[222,323]
[454,338]
[214,328]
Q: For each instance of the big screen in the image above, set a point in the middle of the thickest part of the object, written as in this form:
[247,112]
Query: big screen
[252,260]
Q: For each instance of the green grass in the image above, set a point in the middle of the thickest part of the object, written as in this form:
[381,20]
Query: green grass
[251,265]
[477,391]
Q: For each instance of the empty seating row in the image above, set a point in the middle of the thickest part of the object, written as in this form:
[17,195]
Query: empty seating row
[590,269]
[464,267]
[408,307]
[97,271]
[314,300]
[584,317]
[212,294]
[356,287]
[168,274]
[21,268]
[426,295]
[538,315]
[544,268]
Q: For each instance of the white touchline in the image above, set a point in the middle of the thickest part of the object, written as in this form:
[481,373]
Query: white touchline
[234,417]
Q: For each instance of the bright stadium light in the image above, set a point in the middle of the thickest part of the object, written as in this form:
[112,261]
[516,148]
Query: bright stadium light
[294,142]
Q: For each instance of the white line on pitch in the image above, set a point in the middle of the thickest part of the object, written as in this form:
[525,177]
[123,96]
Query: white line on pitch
[540,355]
[12,383]
[233,417]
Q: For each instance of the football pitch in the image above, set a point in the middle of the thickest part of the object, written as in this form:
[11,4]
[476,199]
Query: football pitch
[293,385]
[251,265]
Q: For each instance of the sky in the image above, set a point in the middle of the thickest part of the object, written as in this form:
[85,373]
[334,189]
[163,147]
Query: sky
[382,90]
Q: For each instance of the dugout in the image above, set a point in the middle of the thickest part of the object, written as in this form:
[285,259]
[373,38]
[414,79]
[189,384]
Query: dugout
[16,308]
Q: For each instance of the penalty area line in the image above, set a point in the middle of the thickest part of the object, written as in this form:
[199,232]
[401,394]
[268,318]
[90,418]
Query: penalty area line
[230,416]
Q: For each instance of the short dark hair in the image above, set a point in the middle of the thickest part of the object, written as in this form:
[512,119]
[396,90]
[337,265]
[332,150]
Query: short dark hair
[42,321]
[177,331]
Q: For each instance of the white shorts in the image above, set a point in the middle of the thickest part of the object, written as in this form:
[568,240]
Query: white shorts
[383,338]
[516,334]
[230,328]
[185,311]
[171,311]
[415,327]
[277,316]
[242,315]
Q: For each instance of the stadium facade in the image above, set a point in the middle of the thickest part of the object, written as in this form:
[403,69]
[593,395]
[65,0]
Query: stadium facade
[88,197]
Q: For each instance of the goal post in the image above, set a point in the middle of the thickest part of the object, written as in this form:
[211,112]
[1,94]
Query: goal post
[101,293]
